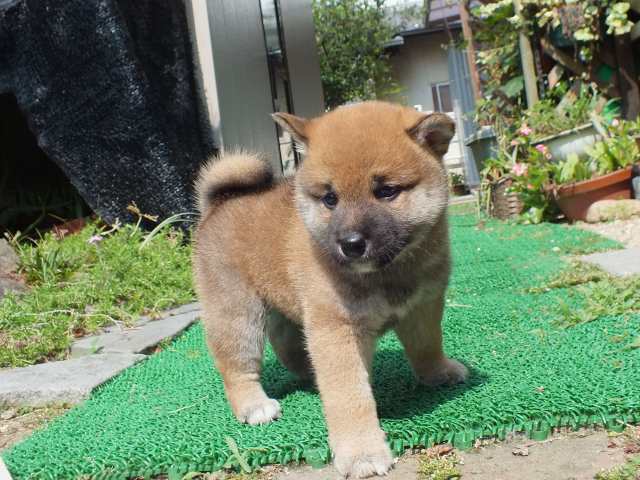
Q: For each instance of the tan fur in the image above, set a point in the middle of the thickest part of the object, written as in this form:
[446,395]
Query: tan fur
[240,168]
[275,248]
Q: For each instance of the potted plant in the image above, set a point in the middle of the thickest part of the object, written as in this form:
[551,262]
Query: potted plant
[572,141]
[606,175]
[456,184]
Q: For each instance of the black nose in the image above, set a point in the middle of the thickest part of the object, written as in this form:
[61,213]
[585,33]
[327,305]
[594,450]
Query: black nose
[353,245]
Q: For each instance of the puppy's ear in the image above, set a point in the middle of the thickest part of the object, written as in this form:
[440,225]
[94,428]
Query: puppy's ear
[434,131]
[296,126]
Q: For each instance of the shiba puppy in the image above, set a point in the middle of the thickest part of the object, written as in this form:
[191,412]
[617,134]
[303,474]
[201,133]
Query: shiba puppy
[354,244]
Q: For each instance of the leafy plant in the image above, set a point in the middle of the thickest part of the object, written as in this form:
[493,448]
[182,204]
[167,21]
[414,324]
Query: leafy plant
[455,178]
[618,150]
[572,170]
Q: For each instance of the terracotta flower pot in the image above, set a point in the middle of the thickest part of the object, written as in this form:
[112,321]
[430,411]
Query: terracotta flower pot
[459,190]
[575,199]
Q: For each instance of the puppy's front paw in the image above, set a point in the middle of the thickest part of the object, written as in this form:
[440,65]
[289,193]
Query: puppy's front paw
[259,412]
[364,459]
[446,372]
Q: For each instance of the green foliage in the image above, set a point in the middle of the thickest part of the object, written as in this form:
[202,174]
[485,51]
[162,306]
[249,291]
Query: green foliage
[548,118]
[618,150]
[572,170]
[498,64]
[603,297]
[88,280]
[455,178]
[350,36]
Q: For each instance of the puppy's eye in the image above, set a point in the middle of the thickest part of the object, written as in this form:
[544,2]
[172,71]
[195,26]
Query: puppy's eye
[386,192]
[330,200]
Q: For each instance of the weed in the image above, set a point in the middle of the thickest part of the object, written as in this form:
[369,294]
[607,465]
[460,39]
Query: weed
[436,467]
[609,296]
[576,273]
[85,281]
[595,292]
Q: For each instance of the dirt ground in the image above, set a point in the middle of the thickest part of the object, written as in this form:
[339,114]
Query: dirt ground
[576,456]
[626,232]
[16,424]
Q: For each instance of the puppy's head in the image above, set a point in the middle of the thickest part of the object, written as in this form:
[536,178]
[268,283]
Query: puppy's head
[372,183]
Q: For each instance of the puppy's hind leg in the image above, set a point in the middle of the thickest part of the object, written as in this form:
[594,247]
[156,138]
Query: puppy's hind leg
[287,340]
[234,320]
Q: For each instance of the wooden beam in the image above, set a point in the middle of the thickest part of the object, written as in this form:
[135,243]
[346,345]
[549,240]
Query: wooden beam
[528,66]
[471,49]
[627,77]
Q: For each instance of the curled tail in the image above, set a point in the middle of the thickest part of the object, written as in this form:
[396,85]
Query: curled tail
[232,174]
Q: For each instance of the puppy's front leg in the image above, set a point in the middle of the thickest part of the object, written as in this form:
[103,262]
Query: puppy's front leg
[421,335]
[341,354]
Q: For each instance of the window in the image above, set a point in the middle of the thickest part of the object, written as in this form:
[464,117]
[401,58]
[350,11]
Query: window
[442,97]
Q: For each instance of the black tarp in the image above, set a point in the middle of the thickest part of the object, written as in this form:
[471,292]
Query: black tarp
[107,88]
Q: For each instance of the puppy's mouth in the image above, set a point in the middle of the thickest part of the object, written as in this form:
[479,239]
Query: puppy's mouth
[373,260]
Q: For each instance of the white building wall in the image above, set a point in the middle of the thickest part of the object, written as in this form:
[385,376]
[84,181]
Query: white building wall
[417,65]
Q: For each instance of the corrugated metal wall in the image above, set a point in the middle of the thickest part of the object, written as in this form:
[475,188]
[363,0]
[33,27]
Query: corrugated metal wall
[460,79]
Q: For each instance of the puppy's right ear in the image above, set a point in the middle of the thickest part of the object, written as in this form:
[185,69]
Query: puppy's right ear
[296,126]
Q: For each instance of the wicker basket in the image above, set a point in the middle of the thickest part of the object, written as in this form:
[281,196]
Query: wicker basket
[504,205]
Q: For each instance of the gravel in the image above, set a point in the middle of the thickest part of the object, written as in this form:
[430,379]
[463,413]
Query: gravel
[626,232]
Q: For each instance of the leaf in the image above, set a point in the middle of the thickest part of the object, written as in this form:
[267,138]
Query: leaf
[237,455]
[513,87]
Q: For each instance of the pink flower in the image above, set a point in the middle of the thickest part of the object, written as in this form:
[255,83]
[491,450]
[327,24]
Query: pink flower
[514,143]
[541,148]
[525,130]
[530,186]
[95,239]
[520,169]
[615,122]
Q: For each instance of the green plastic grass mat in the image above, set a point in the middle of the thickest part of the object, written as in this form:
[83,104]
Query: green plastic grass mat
[169,415]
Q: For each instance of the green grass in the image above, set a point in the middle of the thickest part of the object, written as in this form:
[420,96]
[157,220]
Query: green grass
[76,287]
[588,293]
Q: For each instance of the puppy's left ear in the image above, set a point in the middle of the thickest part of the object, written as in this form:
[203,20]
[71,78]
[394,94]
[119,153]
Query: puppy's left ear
[296,126]
[434,131]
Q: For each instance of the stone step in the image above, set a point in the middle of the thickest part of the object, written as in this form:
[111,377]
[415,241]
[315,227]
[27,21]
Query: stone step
[147,333]
[66,381]
[621,263]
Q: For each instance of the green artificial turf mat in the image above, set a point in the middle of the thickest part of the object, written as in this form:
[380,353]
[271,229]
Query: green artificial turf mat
[169,415]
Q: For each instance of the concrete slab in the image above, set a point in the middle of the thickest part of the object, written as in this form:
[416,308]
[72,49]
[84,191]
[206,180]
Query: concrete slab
[146,334]
[618,262]
[67,381]
[4,471]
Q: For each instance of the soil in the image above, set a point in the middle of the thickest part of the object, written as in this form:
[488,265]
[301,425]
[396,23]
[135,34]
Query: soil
[577,456]
[626,232]
[16,424]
